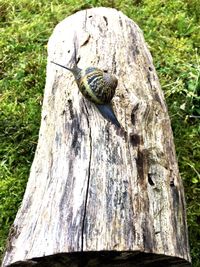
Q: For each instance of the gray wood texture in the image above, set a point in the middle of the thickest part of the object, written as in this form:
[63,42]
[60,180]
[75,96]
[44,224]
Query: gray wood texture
[96,194]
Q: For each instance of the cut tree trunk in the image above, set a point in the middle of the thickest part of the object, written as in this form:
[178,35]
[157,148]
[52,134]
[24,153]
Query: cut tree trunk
[97,195]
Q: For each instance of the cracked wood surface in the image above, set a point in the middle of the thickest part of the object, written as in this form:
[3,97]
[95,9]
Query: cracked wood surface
[93,187]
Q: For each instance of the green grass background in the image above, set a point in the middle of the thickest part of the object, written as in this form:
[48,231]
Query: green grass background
[172,31]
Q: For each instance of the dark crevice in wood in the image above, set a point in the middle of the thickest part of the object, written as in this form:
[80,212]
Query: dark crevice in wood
[140,164]
[150,181]
[78,59]
[149,80]
[88,181]
[86,41]
[74,140]
[77,134]
[71,112]
[157,98]
[134,139]
[133,120]
[106,20]
[174,219]
[172,183]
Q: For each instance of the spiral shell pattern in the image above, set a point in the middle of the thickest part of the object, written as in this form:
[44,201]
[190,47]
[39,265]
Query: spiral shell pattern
[96,85]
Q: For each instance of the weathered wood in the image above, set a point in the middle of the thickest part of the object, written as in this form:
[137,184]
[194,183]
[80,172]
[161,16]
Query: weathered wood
[98,196]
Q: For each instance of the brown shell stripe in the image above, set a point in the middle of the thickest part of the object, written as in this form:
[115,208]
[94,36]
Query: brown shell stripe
[91,84]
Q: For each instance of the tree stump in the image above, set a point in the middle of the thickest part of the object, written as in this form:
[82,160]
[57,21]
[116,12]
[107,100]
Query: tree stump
[96,195]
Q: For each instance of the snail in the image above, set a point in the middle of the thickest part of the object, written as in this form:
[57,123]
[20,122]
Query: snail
[98,87]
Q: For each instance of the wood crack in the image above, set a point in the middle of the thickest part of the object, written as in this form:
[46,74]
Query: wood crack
[88,180]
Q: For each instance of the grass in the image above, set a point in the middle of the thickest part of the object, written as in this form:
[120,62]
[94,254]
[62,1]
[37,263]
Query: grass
[172,31]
